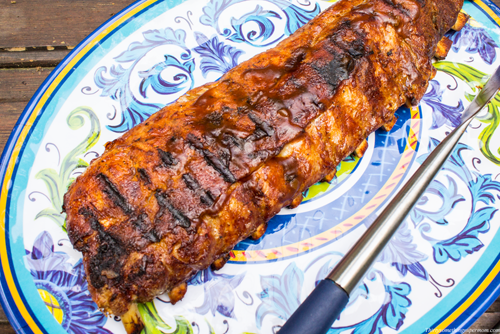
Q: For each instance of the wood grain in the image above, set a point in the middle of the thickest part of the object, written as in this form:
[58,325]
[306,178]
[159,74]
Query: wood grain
[32,58]
[10,113]
[42,23]
[35,35]
[19,85]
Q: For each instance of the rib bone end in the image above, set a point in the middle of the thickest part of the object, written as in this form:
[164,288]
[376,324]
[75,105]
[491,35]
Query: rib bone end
[360,151]
[132,320]
[443,48]
[389,125]
[461,21]
[329,177]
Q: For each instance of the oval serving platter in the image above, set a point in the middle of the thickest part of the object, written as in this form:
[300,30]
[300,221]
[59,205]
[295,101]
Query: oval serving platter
[439,272]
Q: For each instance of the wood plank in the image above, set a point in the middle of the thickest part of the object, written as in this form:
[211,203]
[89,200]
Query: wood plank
[41,23]
[495,307]
[19,85]
[10,114]
[3,317]
[6,328]
[33,58]
[486,321]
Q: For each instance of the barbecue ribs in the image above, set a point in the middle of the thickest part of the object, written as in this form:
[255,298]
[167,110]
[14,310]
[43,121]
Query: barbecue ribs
[176,193]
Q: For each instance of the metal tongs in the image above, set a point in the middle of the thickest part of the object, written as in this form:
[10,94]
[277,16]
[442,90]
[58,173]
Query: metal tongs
[325,303]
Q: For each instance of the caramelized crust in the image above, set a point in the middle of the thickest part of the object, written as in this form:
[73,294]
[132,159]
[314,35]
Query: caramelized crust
[180,190]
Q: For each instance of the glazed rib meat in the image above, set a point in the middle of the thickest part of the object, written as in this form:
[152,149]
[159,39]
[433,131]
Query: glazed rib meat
[177,192]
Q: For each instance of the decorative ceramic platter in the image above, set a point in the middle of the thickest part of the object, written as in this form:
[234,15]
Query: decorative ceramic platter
[439,272]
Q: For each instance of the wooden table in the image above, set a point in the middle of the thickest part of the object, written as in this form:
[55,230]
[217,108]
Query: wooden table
[35,35]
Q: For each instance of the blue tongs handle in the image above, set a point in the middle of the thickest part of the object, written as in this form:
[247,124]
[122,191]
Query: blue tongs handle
[317,313]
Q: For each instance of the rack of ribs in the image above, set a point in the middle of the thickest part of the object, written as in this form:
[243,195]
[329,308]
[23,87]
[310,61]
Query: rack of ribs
[176,193]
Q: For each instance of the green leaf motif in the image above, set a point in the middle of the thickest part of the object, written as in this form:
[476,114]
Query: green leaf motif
[57,183]
[476,79]
[183,326]
[154,324]
[210,328]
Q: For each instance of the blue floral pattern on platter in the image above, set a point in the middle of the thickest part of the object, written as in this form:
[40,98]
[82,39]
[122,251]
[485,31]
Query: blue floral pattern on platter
[482,189]
[452,224]
[296,16]
[215,55]
[218,288]
[442,113]
[66,286]
[117,85]
[475,40]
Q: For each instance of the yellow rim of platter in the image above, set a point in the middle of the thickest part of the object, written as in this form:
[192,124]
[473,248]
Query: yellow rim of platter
[488,10]
[35,113]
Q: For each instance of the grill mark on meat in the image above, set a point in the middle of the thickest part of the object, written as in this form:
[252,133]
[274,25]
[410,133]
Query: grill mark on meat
[261,124]
[336,70]
[191,182]
[167,158]
[206,196]
[219,166]
[296,59]
[258,134]
[112,191]
[152,236]
[107,263]
[212,159]
[398,7]
[77,237]
[229,140]
[356,48]
[140,268]
[208,199]
[144,175]
[163,202]
[143,226]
